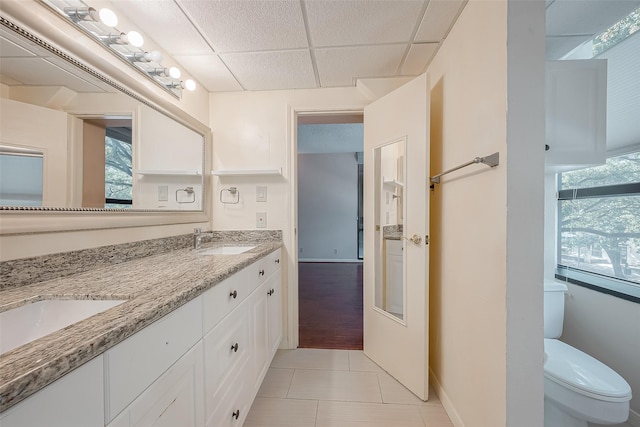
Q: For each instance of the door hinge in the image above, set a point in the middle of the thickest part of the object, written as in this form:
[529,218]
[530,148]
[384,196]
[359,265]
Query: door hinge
[426,239]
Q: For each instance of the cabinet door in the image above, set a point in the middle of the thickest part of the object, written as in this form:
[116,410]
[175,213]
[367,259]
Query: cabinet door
[260,332]
[175,399]
[234,401]
[275,313]
[74,400]
[225,348]
[575,113]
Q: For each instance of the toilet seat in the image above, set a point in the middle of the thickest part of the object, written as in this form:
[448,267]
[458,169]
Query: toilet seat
[582,373]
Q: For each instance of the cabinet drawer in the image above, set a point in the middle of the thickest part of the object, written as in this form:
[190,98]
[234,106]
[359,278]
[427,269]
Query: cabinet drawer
[230,410]
[132,365]
[224,297]
[263,268]
[225,348]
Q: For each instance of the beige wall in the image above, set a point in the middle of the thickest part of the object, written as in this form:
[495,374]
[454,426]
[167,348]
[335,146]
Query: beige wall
[468,218]
[487,225]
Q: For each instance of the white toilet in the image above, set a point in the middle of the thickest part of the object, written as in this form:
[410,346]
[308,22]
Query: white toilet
[578,389]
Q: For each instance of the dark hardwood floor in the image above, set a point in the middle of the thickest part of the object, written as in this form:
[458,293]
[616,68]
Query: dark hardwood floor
[330,305]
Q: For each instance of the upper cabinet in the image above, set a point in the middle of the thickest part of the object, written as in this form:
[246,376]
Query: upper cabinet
[576,113]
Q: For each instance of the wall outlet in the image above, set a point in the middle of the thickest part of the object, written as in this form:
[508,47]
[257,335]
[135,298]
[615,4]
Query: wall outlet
[300,250]
[261,193]
[261,220]
[163,193]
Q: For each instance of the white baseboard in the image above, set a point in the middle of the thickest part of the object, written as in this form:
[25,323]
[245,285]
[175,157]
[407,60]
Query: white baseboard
[446,402]
[634,418]
[327,260]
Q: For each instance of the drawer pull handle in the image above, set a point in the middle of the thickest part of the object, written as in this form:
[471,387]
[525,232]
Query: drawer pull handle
[261,273]
[277,260]
[234,294]
[235,348]
[236,414]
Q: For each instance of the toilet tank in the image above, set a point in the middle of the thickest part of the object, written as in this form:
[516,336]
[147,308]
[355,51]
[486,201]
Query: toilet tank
[553,308]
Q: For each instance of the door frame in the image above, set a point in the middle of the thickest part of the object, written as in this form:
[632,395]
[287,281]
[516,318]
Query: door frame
[292,268]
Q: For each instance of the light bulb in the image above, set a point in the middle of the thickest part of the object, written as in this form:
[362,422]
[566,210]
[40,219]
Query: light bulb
[189,84]
[135,39]
[108,17]
[175,72]
[153,56]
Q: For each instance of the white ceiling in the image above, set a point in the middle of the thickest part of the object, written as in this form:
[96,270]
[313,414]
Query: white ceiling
[230,45]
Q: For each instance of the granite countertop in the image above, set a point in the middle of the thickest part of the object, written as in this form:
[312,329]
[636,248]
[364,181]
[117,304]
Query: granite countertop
[152,286]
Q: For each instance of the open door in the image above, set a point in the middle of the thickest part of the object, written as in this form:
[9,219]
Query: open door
[396,289]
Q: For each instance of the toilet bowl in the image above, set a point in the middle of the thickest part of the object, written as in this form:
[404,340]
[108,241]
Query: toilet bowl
[578,389]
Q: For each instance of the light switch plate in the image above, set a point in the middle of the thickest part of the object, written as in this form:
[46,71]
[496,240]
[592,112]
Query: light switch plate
[163,193]
[261,193]
[261,220]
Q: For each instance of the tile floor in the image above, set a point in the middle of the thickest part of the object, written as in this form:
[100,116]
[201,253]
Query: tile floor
[337,388]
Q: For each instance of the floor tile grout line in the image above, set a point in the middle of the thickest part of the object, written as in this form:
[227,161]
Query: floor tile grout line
[290,382]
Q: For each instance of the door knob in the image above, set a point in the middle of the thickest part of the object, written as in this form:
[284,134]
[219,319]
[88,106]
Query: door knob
[414,239]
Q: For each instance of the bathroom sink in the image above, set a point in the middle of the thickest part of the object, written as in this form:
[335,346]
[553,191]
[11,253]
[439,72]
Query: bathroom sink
[225,250]
[29,322]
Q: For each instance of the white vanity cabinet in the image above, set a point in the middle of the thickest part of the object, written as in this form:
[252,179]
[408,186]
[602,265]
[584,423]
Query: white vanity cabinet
[238,350]
[75,400]
[201,364]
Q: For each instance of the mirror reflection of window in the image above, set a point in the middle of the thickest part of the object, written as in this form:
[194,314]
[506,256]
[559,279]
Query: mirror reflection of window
[118,175]
[21,177]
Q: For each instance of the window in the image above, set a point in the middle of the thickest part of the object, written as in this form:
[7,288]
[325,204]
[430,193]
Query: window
[619,31]
[599,226]
[118,183]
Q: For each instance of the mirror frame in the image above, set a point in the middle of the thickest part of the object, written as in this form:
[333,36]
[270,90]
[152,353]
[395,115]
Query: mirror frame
[48,29]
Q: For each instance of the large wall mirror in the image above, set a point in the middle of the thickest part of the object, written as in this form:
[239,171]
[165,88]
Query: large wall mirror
[390,206]
[74,139]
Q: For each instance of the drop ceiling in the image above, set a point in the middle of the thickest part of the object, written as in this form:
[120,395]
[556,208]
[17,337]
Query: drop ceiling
[234,45]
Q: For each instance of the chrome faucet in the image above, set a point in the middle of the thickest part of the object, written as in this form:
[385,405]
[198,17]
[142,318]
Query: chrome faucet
[198,234]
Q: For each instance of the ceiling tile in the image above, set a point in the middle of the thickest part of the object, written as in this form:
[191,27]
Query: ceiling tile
[418,57]
[341,66]
[438,19]
[272,70]
[357,22]
[165,24]
[210,72]
[251,25]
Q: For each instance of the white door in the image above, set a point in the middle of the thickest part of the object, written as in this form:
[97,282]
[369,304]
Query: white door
[398,122]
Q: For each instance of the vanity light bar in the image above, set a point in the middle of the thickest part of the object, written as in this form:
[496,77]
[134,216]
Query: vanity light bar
[127,45]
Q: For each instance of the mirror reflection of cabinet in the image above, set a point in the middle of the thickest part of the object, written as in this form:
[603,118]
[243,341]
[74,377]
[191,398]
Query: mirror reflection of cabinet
[393,292]
[390,207]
